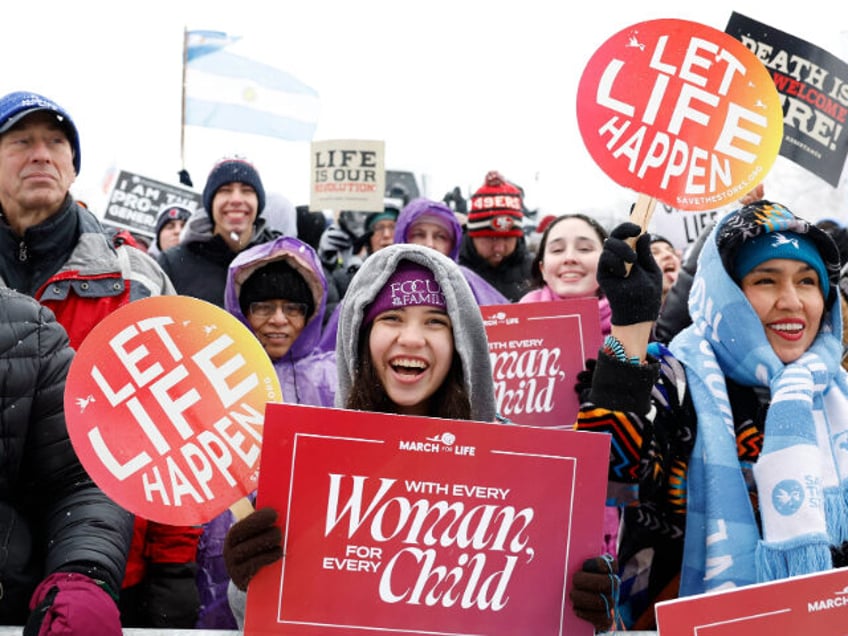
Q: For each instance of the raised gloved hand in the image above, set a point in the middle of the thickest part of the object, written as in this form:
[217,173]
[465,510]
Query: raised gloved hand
[67,604]
[185,178]
[251,544]
[333,241]
[633,297]
[594,592]
[455,197]
[584,380]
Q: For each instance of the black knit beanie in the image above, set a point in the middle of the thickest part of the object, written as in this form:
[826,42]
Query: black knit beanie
[231,171]
[170,213]
[275,280]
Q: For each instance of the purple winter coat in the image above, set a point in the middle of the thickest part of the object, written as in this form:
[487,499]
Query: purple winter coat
[307,376]
[484,292]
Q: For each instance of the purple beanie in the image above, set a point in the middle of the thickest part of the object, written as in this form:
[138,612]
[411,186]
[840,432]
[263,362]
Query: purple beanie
[411,285]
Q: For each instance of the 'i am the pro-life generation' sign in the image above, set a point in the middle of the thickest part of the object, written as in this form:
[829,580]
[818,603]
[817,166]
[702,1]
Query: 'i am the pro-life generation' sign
[401,525]
[165,404]
[135,202]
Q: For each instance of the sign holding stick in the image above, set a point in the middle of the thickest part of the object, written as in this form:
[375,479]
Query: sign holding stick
[641,216]
[642,211]
[680,112]
[165,404]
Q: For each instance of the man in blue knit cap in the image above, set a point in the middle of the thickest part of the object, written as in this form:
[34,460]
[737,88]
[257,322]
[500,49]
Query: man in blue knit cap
[68,566]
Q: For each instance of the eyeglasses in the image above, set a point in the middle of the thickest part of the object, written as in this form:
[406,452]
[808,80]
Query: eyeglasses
[385,226]
[267,308]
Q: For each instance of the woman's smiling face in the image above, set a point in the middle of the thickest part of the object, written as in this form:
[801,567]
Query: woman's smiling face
[412,350]
[570,262]
[787,297]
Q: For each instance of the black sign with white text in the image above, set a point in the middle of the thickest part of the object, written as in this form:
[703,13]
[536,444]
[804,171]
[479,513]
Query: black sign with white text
[813,88]
[135,201]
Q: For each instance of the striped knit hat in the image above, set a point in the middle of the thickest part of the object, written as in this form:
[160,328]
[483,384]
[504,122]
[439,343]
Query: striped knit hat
[496,208]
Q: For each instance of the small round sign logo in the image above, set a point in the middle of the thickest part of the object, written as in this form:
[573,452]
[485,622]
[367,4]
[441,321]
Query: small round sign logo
[165,404]
[681,112]
[787,497]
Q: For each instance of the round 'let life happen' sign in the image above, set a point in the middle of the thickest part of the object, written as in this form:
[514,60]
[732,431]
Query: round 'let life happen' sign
[681,112]
[165,403]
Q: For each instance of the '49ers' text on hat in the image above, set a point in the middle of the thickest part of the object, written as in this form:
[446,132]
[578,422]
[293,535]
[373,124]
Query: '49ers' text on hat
[496,209]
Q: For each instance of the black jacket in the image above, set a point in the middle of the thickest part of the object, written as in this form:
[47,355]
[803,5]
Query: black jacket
[511,277]
[52,516]
[198,265]
[674,314]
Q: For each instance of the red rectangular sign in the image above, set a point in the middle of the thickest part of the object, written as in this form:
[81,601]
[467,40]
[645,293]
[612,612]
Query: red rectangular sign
[412,525]
[811,604]
[537,350]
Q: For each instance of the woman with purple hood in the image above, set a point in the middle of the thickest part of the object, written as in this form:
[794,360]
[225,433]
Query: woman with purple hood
[288,272]
[278,290]
[433,224]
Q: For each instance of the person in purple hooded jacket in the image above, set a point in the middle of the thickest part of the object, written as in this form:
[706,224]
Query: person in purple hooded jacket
[278,290]
[433,224]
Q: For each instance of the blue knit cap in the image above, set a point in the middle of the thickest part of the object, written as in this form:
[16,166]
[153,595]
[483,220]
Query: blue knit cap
[15,106]
[796,247]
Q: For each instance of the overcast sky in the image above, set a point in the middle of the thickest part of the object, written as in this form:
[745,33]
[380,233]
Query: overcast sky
[454,88]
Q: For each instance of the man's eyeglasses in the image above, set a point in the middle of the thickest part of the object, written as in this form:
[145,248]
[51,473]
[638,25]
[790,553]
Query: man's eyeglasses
[267,308]
[385,226]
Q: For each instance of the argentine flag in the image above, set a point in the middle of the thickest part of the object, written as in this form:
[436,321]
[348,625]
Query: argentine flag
[231,92]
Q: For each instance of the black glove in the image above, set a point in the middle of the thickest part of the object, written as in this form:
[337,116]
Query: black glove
[185,178]
[594,593]
[455,197]
[584,380]
[251,544]
[171,592]
[633,297]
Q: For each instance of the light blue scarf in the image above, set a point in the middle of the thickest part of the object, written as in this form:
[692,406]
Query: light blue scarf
[802,470]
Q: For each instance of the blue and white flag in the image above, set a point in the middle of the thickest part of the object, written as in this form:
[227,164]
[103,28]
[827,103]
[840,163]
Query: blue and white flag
[199,43]
[228,91]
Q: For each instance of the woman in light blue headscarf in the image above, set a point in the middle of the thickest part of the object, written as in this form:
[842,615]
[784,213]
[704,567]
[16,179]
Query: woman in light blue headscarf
[729,445]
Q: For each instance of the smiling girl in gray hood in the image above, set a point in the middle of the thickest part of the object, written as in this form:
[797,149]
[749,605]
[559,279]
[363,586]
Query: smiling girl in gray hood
[411,341]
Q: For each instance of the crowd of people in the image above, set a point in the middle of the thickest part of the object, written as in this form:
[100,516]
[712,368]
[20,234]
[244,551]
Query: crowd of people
[720,379]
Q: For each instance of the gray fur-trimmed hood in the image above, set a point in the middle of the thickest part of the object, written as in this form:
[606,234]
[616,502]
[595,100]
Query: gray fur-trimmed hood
[470,339]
